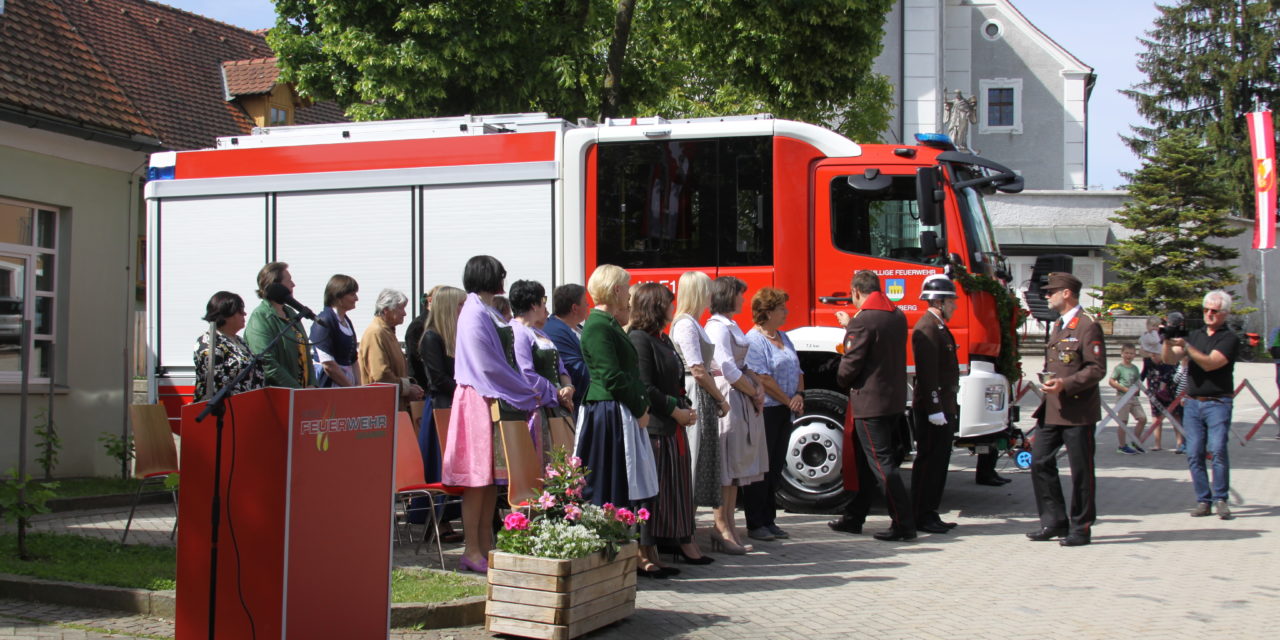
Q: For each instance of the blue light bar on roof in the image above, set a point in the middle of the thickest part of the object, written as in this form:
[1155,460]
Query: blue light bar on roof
[936,140]
[162,166]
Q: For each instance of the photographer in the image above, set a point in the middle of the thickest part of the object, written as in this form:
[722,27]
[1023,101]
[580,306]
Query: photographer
[1210,355]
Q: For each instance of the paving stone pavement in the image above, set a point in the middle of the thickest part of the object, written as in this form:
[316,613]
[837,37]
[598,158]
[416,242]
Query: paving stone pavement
[1151,572]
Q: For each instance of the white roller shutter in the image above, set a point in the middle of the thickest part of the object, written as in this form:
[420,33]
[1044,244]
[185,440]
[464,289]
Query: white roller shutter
[366,234]
[205,245]
[509,221]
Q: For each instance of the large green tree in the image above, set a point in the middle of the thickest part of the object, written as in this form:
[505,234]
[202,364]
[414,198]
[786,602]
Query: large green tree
[1169,263]
[1207,63]
[804,59]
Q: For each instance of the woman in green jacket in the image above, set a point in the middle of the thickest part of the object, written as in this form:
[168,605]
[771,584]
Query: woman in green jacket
[287,363]
[612,441]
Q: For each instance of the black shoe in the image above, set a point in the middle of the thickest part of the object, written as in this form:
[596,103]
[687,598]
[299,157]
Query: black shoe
[678,554]
[949,525]
[845,525]
[656,574]
[1075,540]
[992,481]
[934,527]
[894,535]
[668,572]
[1047,533]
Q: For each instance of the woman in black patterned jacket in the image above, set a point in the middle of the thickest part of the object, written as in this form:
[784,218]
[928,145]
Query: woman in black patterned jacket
[225,311]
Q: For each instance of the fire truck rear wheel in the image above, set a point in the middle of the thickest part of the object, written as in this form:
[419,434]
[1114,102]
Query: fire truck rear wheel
[811,479]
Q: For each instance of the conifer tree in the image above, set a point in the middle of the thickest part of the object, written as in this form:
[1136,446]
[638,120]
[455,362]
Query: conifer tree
[1178,205]
[1207,63]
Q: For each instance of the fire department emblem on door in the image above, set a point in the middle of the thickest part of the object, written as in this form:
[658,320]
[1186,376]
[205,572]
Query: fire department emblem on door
[895,288]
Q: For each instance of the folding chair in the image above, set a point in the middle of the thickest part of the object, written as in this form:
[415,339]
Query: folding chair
[156,456]
[409,483]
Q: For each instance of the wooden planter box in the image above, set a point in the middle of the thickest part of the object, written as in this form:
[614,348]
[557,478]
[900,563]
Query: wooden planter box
[559,599]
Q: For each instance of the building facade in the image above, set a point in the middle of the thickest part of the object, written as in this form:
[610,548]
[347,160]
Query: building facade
[88,90]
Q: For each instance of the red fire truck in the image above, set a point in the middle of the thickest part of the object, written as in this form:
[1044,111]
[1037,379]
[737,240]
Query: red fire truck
[403,204]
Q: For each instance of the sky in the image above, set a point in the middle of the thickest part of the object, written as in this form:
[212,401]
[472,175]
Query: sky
[1101,33]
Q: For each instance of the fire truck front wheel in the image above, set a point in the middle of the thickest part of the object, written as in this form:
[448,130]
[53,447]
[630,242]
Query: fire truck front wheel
[811,479]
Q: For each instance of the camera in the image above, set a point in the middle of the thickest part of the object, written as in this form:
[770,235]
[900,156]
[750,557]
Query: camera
[1174,327]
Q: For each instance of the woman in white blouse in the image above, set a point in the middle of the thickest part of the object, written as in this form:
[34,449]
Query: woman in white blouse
[693,295]
[743,454]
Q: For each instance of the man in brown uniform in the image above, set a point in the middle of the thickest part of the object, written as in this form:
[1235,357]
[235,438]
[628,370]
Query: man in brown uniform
[874,370]
[1075,359]
[933,402]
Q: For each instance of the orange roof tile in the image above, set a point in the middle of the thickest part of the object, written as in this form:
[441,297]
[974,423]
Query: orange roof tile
[47,69]
[250,77]
[136,67]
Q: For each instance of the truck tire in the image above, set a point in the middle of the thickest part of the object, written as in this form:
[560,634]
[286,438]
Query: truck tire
[811,480]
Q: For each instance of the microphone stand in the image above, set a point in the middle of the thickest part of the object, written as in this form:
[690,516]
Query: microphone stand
[216,406]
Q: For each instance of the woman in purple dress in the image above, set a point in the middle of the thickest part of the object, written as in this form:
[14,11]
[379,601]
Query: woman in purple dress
[539,360]
[488,383]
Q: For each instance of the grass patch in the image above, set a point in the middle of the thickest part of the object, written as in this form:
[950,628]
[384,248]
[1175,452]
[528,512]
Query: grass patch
[90,560]
[81,487]
[420,585]
[93,561]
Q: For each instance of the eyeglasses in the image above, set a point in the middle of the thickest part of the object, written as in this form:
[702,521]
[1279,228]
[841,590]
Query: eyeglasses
[1211,310]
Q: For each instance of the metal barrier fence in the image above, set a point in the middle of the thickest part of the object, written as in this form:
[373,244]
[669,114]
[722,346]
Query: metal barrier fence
[1271,411]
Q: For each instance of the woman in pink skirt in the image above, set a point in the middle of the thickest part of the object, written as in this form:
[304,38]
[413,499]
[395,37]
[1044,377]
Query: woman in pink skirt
[484,369]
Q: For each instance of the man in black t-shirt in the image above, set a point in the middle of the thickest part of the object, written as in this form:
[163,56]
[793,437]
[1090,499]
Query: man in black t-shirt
[1210,354]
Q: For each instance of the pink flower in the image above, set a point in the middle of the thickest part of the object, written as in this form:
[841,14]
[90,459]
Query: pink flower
[608,507]
[643,514]
[547,500]
[551,472]
[580,481]
[571,512]
[575,462]
[573,492]
[625,515]
[515,521]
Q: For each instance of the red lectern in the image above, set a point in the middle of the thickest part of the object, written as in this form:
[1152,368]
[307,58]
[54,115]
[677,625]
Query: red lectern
[304,543]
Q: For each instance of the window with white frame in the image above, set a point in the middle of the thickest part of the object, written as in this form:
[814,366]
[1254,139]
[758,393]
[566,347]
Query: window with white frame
[28,288]
[1000,105]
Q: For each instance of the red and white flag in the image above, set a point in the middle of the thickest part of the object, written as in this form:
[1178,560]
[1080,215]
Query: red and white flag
[1262,138]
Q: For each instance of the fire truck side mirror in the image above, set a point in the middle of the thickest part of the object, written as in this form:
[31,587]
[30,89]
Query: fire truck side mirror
[928,195]
[929,244]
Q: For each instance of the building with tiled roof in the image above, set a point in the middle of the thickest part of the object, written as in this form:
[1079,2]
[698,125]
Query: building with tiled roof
[142,70]
[88,89]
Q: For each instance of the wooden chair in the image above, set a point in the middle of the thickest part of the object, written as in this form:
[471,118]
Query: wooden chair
[524,464]
[415,413]
[562,433]
[440,417]
[155,456]
[409,484]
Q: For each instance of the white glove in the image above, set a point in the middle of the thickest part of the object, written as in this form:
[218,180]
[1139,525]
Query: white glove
[939,419]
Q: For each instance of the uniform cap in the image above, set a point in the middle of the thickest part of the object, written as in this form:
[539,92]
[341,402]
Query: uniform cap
[1062,280]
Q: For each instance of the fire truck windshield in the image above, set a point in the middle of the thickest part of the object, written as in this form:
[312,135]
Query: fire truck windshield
[984,253]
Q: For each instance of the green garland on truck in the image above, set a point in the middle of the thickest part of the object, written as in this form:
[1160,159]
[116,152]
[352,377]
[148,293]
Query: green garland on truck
[1009,313]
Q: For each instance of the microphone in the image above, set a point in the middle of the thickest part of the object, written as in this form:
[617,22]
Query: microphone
[279,294]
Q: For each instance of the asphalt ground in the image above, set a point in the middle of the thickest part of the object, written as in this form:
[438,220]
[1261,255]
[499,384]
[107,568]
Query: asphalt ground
[1151,572]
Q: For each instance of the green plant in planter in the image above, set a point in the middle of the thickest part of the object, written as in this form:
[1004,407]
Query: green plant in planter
[560,524]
